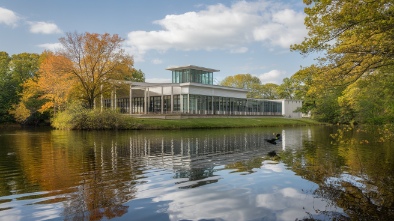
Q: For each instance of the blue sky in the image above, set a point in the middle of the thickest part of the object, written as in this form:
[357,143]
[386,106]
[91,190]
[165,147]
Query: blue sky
[234,36]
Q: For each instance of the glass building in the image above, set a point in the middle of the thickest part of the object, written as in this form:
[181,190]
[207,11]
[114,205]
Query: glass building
[191,93]
[192,74]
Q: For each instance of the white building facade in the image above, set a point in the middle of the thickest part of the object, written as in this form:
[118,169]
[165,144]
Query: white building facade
[192,92]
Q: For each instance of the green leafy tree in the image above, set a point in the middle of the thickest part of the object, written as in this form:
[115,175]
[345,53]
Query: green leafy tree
[244,81]
[369,100]
[318,99]
[354,40]
[287,89]
[355,37]
[7,92]
[327,108]
[14,71]
[23,66]
[305,88]
[269,91]
[136,76]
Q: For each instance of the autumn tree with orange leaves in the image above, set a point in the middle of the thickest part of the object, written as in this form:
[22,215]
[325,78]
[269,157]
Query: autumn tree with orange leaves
[95,60]
[49,89]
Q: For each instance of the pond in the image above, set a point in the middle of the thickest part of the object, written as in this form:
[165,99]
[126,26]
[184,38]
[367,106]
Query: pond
[320,173]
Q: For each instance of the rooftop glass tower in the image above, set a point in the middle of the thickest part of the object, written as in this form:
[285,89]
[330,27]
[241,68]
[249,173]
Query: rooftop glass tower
[192,74]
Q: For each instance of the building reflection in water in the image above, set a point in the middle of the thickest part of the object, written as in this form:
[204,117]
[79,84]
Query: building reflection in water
[185,153]
[93,174]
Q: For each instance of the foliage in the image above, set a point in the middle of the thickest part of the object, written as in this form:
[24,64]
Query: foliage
[96,60]
[76,117]
[54,84]
[287,90]
[7,92]
[14,71]
[23,67]
[269,91]
[136,76]
[47,89]
[356,37]
[369,100]
[327,107]
[355,42]
[244,81]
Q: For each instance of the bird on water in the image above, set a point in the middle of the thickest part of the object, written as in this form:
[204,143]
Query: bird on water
[273,140]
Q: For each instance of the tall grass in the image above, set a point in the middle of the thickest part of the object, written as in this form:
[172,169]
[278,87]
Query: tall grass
[78,118]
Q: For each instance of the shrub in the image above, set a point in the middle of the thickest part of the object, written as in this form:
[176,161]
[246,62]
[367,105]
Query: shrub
[77,117]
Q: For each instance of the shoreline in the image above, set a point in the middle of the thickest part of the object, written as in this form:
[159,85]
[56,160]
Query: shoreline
[192,123]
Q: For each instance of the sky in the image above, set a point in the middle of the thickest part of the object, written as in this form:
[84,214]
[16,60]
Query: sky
[233,36]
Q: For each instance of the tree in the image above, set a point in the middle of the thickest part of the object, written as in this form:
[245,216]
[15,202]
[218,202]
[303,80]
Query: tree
[356,37]
[244,81]
[269,91]
[14,71]
[318,99]
[306,89]
[96,60]
[54,84]
[23,66]
[287,89]
[6,92]
[136,76]
[355,41]
[26,111]
[49,89]
[370,99]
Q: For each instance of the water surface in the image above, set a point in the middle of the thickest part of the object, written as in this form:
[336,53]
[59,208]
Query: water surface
[195,175]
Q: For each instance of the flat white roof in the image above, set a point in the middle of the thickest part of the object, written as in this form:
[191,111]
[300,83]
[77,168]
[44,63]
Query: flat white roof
[192,67]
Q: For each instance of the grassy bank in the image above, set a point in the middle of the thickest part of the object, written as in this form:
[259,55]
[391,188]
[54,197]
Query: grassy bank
[199,123]
[84,119]
[129,123]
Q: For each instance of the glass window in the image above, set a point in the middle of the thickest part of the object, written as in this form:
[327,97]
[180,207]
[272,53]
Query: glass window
[177,103]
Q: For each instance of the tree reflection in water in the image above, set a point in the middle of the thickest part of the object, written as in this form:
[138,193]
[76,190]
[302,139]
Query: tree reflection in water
[356,173]
[103,175]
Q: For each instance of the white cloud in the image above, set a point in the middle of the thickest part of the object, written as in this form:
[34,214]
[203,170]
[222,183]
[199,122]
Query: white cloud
[157,61]
[44,28]
[8,17]
[273,76]
[286,203]
[222,27]
[51,46]
[239,50]
[286,28]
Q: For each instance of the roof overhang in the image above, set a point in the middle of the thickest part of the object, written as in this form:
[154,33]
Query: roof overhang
[192,67]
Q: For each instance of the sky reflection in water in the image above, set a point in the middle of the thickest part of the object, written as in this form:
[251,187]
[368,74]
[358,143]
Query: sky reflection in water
[158,175]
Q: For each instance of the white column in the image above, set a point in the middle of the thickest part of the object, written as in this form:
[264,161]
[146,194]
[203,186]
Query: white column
[188,103]
[162,101]
[148,100]
[131,101]
[172,99]
[145,101]
[181,102]
[213,111]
